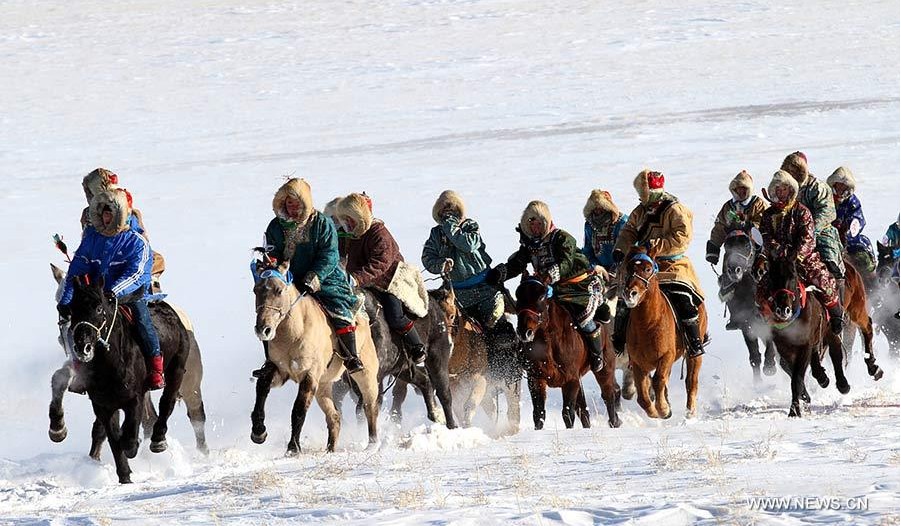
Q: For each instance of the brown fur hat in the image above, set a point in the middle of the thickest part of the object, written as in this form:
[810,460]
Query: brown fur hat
[298,189]
[117,202]
[448,197]
[536,210]
[782,178]
[600,200]
[796,165]
[742,180]
[843,175]
[356,207]
[99,180]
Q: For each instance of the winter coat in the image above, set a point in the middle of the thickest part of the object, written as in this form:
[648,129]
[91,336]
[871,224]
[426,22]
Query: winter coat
[556,258]
[667,235]
[117,254]
[817,197]
[735,216]
[461,242]
[849,222]
[599,243]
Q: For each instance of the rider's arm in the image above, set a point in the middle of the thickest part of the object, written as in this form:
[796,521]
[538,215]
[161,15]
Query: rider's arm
[629,233]
[431,259]
[139,261]
[463,235]
[80,265]
[718,232]
[382,256]
[326,258]
[678,235]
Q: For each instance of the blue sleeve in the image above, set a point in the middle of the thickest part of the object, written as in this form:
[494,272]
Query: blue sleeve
[431,258]
[80,264]
[134,224]
[857,212]
[587,248]
[326,258]
[136,273]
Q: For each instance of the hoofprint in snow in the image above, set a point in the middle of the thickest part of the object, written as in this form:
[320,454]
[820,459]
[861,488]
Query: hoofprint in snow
[201,109]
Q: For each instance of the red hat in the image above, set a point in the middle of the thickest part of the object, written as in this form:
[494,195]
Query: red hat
[655,180]
[368,201]
[127,197]
[801,154]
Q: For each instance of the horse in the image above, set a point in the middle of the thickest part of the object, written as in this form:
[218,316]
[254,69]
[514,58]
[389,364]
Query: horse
[801,333]
[653,339]
[435,330]
[738,288]
[189,391]
[479,385]
[558,357]
[303,348]
[113,368]
[855,303]
[884,299]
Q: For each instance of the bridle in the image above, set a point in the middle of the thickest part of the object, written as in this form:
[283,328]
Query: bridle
[99,330]
[538,315]
[633,274]
[287,279]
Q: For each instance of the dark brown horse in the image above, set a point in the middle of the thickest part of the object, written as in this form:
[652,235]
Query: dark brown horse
[558,357]
[801,333]
[653,340]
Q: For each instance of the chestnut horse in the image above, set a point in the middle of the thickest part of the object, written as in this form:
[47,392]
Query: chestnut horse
[857,312]
[558,357]
[801,333]
[653,340]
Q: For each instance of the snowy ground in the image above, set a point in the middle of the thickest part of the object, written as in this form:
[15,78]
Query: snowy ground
[201,109]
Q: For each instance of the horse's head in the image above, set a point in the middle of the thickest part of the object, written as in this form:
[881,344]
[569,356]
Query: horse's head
[93,313]
[531,307]
[273,296]
[885,261]
[640,269]
[738,255]
[446,301]
[784,290]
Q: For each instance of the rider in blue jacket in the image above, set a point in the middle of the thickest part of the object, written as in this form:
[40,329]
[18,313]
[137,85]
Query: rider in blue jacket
[849,219]
[122,257]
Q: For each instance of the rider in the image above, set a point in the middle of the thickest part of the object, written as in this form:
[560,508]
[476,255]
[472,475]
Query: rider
[742,212]
[817,197]
[662,225]
[892,241]
[110,250]
[307,238]
[850,220]
[102,180]
[374,262]
[603,222]
[788,232]
[560,264]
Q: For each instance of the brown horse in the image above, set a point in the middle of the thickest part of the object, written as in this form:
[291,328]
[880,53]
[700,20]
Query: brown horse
[856,307]
[558,357]
[653,340]
[801,333]
[472,383]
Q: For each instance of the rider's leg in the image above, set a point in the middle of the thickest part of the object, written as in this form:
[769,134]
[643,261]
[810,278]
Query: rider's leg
[400,323]
[687,313]
[347,348]
[150,344]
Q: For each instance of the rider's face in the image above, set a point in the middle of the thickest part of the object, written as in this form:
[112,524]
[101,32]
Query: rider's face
[536,227]
[783,193]
[741,193]
[349,223]
[293,206]
[107,216]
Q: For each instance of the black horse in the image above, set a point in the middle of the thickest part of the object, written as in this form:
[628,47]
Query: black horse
[884,299]
[737,289]
[114,369]
[801,334]
[394,362]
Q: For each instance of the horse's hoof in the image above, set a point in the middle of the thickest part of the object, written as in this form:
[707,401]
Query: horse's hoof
[769,368]
[158,447]
[691,414]
[669,413]
[794,412]
[876,373]
[125,480]
[58,435]
[629,394]
[259,438]
[539,425]
[615,422]
[292,453]
[843,386]
[203,449]
[823,381]
[132,451]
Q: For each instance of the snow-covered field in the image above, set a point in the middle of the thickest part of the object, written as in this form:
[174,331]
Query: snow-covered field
[202,108]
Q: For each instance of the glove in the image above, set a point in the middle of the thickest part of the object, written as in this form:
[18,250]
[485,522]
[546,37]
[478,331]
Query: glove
[310,283]
[447,266]
[497,275]
[618,257]
[65,311]
[759,269]
[713,253]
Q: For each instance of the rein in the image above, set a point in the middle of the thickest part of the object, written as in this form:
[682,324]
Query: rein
[99,330]
[797,311]
[647,258]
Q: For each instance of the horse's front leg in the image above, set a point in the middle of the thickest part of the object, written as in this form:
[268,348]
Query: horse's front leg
[332,417]
[538,392]
[869,356]
[258,431]
[59,383]
[661,381]
[753,352]
[643,385]
[305,391]
[692,373]
[609,390]
[110,421]
[398,396]
[478,388]
[769,357]
[799,370]
[167,404]
[98,436]
[837,355]
[513,394]
[441,382]
[131,425]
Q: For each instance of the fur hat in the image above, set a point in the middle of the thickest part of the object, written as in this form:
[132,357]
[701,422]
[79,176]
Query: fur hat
[331,209]
[782,178]
[796,165]
[742,180]
[647,181]
[356,207]
[843,175]
[298,189]
[536,210]
[600,200]
[117,202]
[448,197]
[99,180]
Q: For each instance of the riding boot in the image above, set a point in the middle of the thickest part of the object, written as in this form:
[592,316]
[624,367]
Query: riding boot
[414,346]
[268,368]
[155,378]
[348,351]
[836,317]
[595,345]
[602,314]
[620,324]
[692,330]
